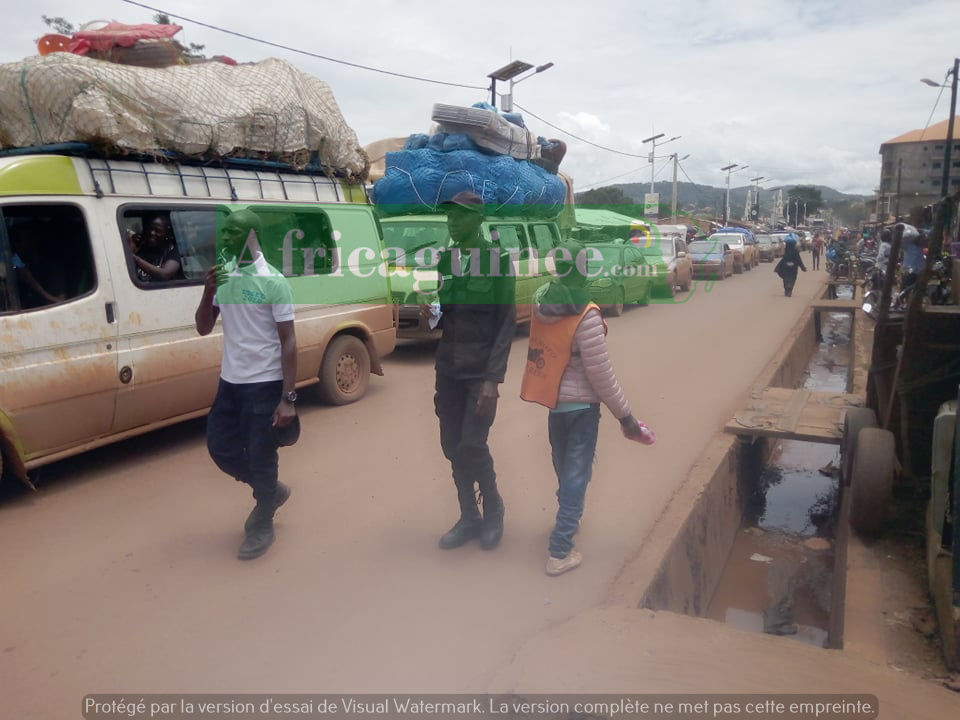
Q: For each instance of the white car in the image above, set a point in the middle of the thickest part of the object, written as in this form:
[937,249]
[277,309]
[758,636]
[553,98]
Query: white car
[744,255]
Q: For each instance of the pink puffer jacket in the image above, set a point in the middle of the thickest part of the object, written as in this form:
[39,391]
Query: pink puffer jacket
[589,377]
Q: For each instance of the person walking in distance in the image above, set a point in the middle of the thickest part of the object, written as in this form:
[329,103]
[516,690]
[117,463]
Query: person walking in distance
[478,321]
[569,371]
[789,264]
[254,410]
[816,249]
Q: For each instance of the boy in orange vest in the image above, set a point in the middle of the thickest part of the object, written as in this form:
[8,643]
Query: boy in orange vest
[569,371]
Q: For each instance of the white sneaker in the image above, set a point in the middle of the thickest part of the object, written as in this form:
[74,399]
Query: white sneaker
[558,566]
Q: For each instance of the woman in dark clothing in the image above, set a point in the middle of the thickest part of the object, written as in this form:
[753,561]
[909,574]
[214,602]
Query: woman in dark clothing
[788,265]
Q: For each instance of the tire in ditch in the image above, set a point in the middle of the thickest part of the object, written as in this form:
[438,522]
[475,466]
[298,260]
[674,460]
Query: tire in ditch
[854,420]
[871,480]
[345,371]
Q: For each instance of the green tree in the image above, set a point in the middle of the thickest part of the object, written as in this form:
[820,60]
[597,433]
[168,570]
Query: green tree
[604,196]
[193,50]
[59,25]
[808,199]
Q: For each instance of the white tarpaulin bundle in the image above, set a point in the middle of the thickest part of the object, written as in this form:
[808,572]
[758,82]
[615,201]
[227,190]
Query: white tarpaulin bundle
[268,110]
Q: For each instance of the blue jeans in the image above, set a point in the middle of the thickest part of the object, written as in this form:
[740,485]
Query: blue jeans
[239,437]
[573,443]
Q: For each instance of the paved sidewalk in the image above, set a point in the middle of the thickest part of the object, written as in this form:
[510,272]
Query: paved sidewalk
[623,650]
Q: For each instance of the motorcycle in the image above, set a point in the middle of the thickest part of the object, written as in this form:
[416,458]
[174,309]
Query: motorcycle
[938,290]
[837,261]
[872,287]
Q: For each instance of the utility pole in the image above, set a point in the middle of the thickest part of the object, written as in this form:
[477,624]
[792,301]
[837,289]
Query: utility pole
[945,180]
[896,211]
[673,198]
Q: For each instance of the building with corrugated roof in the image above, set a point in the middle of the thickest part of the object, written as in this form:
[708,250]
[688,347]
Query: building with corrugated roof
[912,169]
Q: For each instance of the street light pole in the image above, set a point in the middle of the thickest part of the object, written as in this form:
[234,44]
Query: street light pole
[507,101]
[729,169]
[507,72]
[755,212]
[653,149]
[945,178]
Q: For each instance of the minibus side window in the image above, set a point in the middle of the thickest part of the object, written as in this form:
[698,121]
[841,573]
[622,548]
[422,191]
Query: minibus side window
[512,237]
[545,237]
[45,257]
[153,246]
[196,234]
[298,241]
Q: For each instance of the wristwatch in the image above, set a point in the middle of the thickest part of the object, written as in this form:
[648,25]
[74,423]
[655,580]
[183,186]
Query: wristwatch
[290,397]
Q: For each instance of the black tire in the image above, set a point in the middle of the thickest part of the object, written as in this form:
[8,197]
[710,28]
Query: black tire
[644,299]
[871,480]
[616,310]
[345,371]
[854,420]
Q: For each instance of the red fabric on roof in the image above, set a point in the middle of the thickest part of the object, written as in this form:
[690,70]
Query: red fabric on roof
[114,34]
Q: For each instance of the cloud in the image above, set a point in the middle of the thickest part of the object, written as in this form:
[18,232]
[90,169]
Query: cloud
[803,92]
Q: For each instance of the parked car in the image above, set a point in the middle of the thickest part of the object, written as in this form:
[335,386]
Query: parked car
[744,254]
[712,260]
[670,265]
[781,238]
[413,278]
[766,248]
[620,276]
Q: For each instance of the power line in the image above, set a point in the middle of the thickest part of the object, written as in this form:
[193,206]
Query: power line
[576,137]
[301,52]
[933,109]
[593,185]
[359,66]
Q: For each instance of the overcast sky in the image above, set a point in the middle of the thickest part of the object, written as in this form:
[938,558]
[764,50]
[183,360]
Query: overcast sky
[801,91]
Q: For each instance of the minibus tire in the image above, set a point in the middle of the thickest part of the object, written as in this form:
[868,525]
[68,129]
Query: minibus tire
[854,420]
[871,481]
[345,371]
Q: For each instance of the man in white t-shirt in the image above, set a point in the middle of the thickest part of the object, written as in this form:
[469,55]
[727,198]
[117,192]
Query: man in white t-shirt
[256,396]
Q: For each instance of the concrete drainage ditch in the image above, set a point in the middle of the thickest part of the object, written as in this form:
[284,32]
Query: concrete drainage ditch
[763,547]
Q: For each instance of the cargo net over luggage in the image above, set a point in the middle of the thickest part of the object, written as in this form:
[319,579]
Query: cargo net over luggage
[267,111]
[478,150]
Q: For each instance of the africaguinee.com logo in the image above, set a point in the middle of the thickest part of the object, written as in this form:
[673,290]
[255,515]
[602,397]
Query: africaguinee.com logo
[333,254]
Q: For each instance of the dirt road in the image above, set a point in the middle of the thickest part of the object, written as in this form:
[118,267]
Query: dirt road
[120,575]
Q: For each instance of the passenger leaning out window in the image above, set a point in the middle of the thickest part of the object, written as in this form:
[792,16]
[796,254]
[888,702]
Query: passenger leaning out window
[155,255]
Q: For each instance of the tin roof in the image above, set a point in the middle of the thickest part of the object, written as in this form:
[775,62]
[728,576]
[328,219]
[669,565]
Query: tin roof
[933,132]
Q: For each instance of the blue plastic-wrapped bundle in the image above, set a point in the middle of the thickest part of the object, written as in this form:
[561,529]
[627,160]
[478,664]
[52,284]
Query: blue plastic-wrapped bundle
[421,179]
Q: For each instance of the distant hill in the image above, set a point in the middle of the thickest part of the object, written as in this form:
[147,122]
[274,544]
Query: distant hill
[707,199]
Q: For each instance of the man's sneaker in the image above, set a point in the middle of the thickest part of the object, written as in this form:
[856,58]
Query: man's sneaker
[259,538]
[558,566]
[279,498]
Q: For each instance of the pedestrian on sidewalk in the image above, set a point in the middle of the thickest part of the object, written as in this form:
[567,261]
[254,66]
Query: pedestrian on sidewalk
[569,371]
[254,410]
[478,322]
[789,264]
[816,249]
